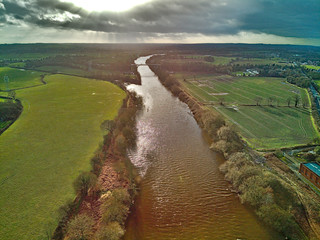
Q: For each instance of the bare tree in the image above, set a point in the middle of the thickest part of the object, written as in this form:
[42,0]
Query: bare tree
[289,101]
[12,95]
[221,100]
[108,125]
[258,100]
[296,100]
[304,104]
[270,101]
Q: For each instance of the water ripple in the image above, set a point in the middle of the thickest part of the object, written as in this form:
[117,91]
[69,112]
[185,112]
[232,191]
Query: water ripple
[183,195]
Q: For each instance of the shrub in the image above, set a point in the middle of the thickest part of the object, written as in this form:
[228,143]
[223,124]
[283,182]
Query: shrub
[239,159]
[209,59]
[239,176]
[309,156]
[278,153]
[108,125]
[121,144]
[227,148]
[169,82]
[284,195]
[227,134]
[279,219]
[121,195]
[112,231]
[254,192]
[273,199]
[129,135]
[220,146]
[317,150]
[83,182]
[116,209]
[80,228]
[175,90]
[96,163]
[212,123]
[115,212]
[65,209]
[120,168]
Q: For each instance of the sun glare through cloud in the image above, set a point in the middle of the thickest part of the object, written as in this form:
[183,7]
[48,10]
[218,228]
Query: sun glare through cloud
[115,6]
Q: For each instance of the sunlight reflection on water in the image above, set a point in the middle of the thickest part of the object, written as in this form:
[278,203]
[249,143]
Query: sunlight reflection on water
[183,195]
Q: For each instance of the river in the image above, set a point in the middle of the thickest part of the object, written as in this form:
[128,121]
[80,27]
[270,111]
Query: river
[183,195]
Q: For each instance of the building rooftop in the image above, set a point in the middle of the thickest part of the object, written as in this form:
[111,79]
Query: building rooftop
[314,167]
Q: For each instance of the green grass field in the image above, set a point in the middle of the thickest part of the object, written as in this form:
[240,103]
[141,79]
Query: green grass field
[26,56]
[47,147]
[218,60]
[17,64]
[73,71]
[260,61]
[264,127]
[222,60]
[19,78]
[61,69]
[312,67]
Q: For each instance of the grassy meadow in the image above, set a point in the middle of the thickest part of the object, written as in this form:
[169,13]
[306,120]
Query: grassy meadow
[218,60]
[260,61]
[61,69]
[47,147]
[312,67]
[17,64]
[223,60]
[19,78]
[265,126]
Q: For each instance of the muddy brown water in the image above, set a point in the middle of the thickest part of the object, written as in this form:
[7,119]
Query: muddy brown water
[183,195]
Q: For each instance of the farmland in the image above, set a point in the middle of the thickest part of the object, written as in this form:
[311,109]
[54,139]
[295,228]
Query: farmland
[260,61]
[224,60]
[272,124]
[217,59]
[312,67]
[47,147]
[19,78]
[61,69]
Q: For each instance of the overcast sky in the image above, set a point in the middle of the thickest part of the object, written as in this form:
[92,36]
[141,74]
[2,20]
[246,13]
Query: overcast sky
[180,21]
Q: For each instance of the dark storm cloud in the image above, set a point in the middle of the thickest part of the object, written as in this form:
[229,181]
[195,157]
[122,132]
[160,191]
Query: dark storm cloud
[290,18]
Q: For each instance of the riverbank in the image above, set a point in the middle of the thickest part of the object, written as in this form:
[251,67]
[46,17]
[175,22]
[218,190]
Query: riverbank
[275,202]
[105,194]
